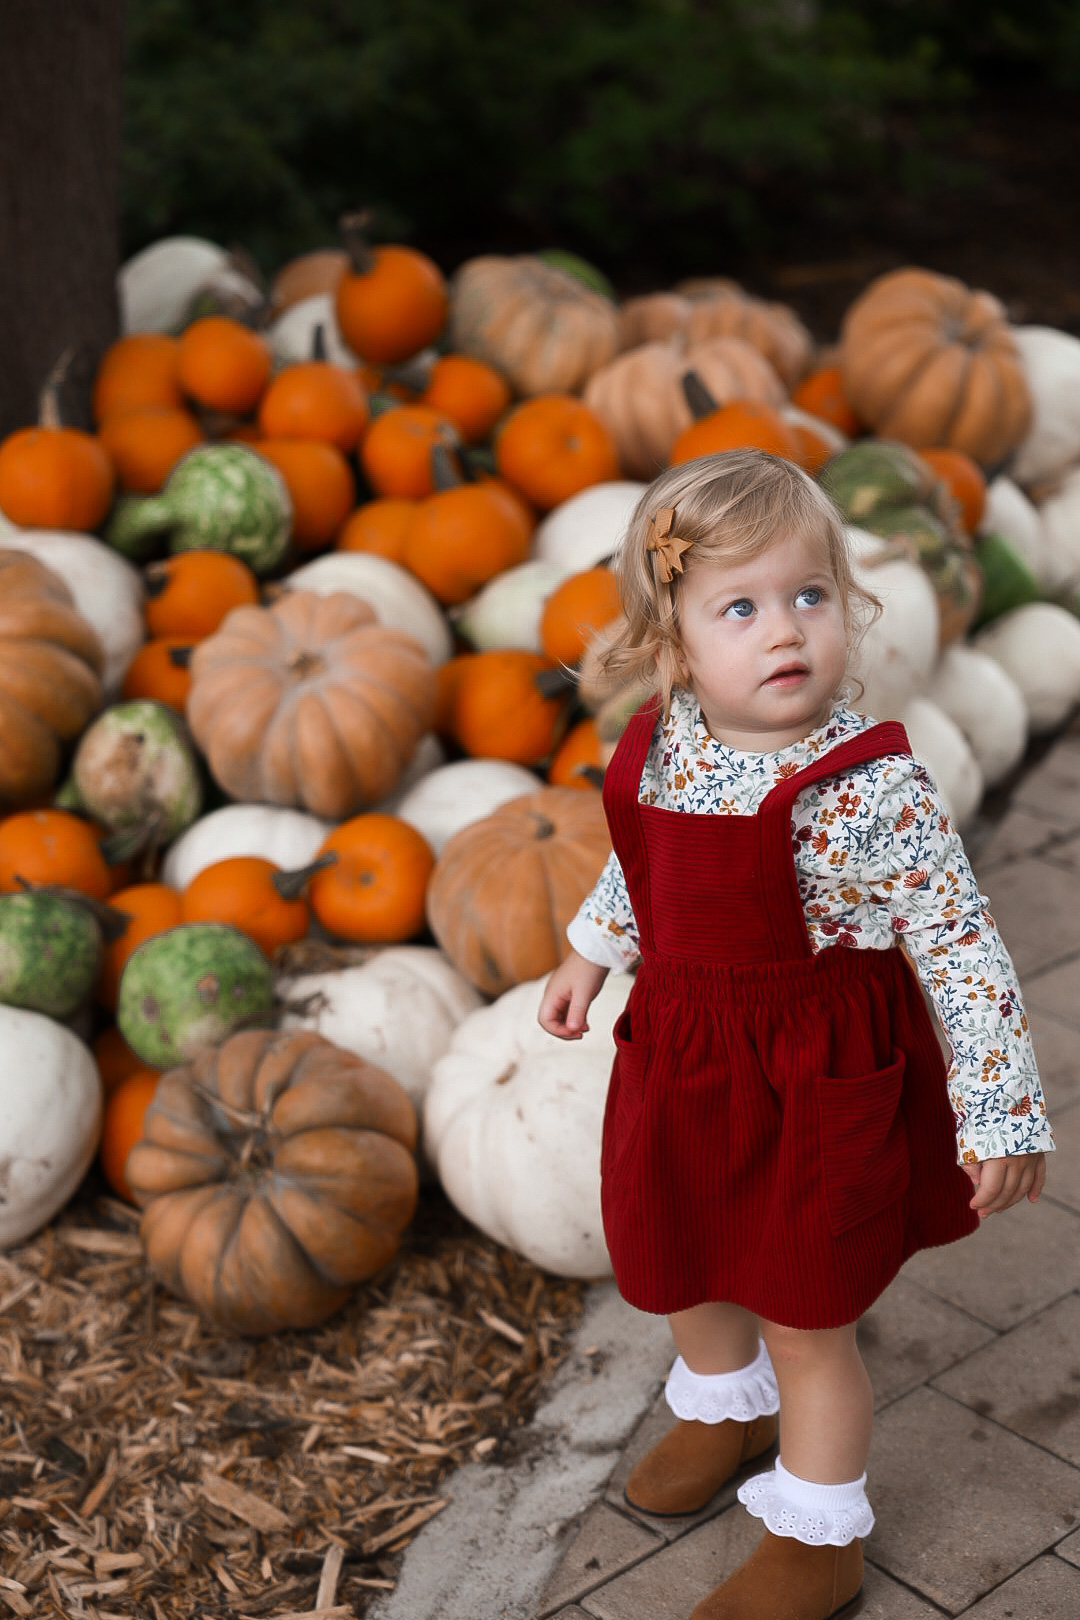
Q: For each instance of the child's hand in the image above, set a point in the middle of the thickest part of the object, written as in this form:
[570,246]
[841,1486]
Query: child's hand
[572,986]
[1000,1183]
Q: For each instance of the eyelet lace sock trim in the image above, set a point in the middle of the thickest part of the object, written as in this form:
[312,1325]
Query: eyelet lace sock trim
[818,1515]
[748,1393]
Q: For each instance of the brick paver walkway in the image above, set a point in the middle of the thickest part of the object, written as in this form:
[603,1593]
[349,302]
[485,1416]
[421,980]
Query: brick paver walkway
[974,1351]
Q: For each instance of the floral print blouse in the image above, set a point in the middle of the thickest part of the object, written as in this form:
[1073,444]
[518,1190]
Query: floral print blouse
[877,861]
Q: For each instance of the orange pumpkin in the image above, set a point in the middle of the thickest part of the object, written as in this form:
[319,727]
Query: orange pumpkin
[578,762]
[822,394]
[310,702]
[51,662]
[470,392]
[552,446]
[152,908]
[114,1058]
[125,1113]
[928,361]
[965,481]
[52,847]
[746,424]
[498,711]
[138,373]
[55,478]
[275,1173]
[812,447]
[542,327]
[505,887]
[159,671]
[253,895]
[145,445]
[315,400]
[448,678]
[223,365]
[379,526]
[459,538]
[396,450]
[188,595]
[721,308]
[391,302]
[320,483]
[575,610]
[374,891]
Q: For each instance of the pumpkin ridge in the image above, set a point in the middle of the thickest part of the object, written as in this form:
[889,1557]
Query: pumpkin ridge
[952,362]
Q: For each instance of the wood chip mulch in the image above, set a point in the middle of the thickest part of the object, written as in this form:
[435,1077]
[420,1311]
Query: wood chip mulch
[156,1468]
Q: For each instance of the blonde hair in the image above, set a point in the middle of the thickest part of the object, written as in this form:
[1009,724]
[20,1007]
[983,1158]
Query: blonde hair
[729,506]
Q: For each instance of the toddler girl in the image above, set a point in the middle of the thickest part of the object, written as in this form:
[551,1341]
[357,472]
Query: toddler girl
[778,1136]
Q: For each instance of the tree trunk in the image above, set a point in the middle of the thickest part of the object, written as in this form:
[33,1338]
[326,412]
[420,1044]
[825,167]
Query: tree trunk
[60,98]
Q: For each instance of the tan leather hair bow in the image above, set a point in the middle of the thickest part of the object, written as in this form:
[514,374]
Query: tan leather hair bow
[668,547]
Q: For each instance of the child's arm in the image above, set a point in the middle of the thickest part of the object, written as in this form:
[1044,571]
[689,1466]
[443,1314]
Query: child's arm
[603,935]
[568,993]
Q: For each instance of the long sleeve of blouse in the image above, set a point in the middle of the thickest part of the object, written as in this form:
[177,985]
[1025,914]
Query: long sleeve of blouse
[878,863]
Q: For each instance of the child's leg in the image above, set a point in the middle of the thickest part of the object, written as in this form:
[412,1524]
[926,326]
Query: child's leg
[716,1338]
[827,1405]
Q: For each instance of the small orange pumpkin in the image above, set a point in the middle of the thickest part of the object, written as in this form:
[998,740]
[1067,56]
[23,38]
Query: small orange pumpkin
[578,762]
[145,445]
[320,483]
[223,365]
[138,373]
[253,895]
[497,709]
[392,302]
[114,1058]
[745,424]
[552,446]
[575,610]
[122,1126]
[52,847]
[459,538]
[965,481]
[396,450]
[379,527]
[188,595]
[470,392]
[151,908]
[315,400]
[55,478]
[159,671]
[822,394]
[374,891]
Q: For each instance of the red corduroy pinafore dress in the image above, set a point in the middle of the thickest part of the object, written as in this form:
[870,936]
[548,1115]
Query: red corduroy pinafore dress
[777,1130]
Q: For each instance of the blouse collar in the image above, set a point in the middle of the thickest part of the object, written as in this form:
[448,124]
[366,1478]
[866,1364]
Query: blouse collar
[688,724]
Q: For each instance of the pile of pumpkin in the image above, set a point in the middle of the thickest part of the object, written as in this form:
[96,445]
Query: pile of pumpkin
[301,738]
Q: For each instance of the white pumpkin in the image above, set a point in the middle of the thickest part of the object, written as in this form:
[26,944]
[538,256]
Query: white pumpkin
[292,335]
[900,648]
[108,590]
[507,612]
[428,757]
[460,793]
[1009,513]
[289,838]
[1039,646]
[397,597]
[985,702]
[399,1009]
[588,527]
[943,748]
[513,1121]
[156,286]
[1060,515]
[51,1109]
[1051,361]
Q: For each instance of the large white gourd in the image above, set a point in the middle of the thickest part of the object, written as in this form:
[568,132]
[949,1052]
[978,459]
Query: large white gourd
[399,1009]
[455,795]
[397,597]
[513,1120]
[588,527]
[51,1101]
[289,838]
[1060,515]
[155,286]
[108,591]
[1039,646]
[981,698]
[1051,361]
[1009,513]
[900,648]
[507,612]
[943,748]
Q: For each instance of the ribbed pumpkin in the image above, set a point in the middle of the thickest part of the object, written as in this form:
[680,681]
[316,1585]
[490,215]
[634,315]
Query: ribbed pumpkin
[544,329]
[310,702]
[51,662]
[652,318]
[504,888]
[275,1173]
[640,399]
[927,360]
[722,309]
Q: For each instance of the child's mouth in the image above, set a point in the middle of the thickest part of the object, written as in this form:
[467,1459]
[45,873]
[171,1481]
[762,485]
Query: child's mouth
[791,675]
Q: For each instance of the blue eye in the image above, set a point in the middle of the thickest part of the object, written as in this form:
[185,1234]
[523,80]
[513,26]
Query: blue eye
[735,608]
[810,591]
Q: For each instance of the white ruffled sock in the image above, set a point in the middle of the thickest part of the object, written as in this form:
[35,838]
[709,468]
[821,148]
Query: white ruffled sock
[749,1392]
[819,1515]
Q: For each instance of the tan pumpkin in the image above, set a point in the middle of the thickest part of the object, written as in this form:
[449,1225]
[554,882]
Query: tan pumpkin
[544,329]
[51,662]
[927,360]
[275,1172]
[721,308]
[310,702]
[652,318]
[639,395]
[505,887]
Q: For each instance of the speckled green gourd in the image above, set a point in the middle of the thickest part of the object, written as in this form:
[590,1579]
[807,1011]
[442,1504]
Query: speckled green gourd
[135,766]
[50,950]
[218,497]
[875,474]
[191,987]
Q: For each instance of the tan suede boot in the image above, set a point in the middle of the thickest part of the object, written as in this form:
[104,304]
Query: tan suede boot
[784,1579]
[687,1467]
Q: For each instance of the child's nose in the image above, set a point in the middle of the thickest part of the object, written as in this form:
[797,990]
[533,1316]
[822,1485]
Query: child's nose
[786,629]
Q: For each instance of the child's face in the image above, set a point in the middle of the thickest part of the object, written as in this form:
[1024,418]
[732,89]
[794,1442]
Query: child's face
[763,644]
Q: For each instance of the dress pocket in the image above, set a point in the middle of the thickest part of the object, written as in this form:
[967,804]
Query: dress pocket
[864,1144]
[628,1077]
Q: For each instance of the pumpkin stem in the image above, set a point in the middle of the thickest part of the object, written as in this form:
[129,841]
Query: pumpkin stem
[414,373]
[180,657]
[291,885]
[49,402]
[304,663]
[553,683]
[448,467]
[545,827]
[591,774]
[700,401]
[354,228]
[318,342]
